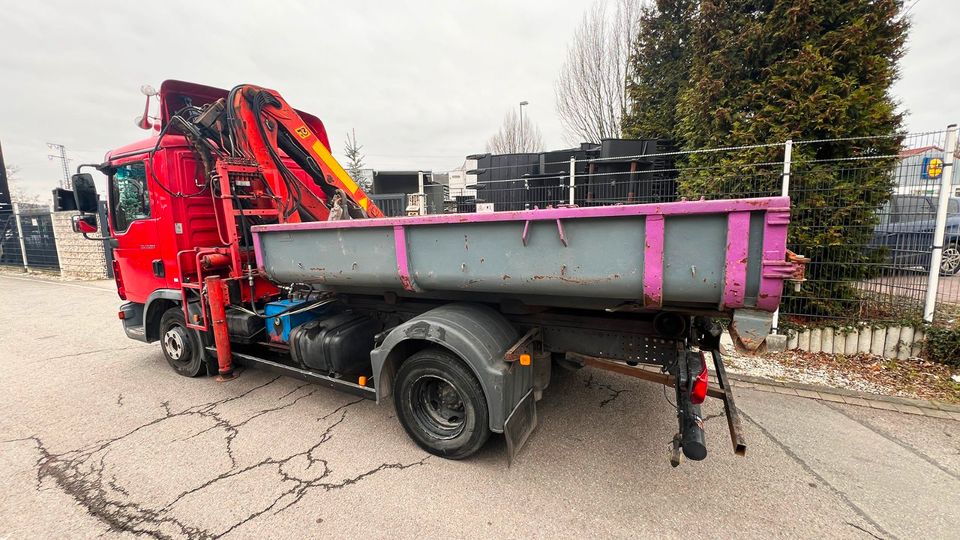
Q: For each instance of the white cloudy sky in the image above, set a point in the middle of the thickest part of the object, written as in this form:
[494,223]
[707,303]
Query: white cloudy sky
[423,83]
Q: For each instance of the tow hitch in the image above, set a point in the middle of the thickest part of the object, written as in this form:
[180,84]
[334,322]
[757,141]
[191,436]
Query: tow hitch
[690,377]
[690,382]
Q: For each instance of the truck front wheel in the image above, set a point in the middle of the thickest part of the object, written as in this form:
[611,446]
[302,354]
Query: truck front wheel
[441,405]
[180,345]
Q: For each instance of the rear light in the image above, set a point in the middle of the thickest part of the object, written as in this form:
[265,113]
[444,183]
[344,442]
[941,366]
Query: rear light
[698,391]
[121,315]
[119,280]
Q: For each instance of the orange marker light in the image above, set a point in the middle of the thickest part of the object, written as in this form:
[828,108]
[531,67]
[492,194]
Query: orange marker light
[524,359]
[362,381]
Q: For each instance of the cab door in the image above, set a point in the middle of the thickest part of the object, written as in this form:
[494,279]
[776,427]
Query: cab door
[133,221]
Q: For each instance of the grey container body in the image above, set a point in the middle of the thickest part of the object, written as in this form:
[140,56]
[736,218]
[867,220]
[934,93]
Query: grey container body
[578,257]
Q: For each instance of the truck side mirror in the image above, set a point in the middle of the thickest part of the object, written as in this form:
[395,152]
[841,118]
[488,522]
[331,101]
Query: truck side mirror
[85,193]
[86,224]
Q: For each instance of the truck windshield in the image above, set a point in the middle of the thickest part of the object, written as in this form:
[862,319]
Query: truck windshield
[131,201]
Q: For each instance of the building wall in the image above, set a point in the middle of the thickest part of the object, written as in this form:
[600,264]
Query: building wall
[910,180]
[79,258]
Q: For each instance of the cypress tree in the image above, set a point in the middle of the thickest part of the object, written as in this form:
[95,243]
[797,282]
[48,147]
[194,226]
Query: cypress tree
[660,66]
[764,72]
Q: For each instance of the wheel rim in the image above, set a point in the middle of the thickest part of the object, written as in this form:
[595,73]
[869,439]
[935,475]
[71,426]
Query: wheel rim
[951,260]
[175,344]
[438,406]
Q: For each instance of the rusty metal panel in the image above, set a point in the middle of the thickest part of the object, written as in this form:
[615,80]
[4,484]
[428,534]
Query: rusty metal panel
[706,255]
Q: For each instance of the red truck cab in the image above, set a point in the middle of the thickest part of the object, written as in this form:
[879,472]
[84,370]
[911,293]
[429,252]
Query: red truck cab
[159,206]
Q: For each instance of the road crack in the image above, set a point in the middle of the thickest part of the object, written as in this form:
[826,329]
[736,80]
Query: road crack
[84,473]
[859,528]
[813,472]
[895,440]
[94,351]
[613,393]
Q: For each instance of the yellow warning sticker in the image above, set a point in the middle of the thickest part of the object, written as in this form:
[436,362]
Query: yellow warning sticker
[303,132]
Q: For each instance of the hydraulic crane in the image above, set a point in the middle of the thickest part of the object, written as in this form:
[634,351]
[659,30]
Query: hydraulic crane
[238,140]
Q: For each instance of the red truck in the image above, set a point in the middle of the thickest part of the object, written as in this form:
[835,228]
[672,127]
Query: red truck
[238,238]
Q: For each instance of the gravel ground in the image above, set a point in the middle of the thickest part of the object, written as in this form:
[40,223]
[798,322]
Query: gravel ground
[771,368]
[913,377]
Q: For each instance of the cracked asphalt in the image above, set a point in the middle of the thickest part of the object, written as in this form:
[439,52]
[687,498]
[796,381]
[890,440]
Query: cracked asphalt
[101,439]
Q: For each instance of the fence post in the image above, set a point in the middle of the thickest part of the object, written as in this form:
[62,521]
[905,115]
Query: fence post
[573,180]
[784,192]
[787,162]
[946,178]
[421,196]
[23,244]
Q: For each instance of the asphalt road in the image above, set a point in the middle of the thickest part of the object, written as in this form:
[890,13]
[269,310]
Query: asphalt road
[101,438]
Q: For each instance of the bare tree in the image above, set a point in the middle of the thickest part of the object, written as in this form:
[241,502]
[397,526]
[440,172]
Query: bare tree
[17,193]
[10,172]
[515,138]
[355,160]
[591,88]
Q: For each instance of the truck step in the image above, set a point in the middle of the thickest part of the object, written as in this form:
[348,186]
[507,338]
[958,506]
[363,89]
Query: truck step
[302,374]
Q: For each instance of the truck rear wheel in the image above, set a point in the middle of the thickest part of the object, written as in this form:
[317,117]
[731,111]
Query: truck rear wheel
[180,345]
[441,405]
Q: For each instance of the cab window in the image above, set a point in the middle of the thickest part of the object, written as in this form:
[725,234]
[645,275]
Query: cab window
[131,200]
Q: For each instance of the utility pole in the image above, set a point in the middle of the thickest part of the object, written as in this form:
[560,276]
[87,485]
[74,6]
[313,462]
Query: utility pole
[62,156]
[520,133]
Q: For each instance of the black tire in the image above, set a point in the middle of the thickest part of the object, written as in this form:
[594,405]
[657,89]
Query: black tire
[180,345]
[950,263]
[441,405]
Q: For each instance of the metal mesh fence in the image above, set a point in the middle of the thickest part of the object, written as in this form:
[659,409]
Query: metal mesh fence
[867,223]
[10,252]
[863,210]
[392,205]
[27,238]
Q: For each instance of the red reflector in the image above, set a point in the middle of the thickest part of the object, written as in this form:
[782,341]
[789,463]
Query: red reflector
[698,392]
[121,315]
[121,290]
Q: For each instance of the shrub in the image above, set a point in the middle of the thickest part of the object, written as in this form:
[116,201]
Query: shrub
[942,344]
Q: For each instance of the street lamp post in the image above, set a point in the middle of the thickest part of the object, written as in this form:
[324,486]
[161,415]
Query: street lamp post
[520,132]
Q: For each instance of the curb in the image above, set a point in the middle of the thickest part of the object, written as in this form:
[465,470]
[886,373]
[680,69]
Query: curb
[918,407]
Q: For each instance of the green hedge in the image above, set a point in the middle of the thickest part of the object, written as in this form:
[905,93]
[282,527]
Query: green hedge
[942,344]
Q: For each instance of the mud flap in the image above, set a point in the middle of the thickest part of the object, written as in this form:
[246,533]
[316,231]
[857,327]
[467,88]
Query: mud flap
[519,425]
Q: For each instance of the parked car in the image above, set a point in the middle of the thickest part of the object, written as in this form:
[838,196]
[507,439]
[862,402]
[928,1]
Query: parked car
[906,229]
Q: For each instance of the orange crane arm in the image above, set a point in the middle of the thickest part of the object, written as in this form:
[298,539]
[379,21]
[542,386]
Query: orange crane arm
[270,123]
